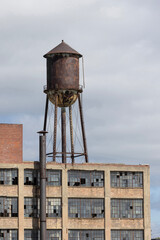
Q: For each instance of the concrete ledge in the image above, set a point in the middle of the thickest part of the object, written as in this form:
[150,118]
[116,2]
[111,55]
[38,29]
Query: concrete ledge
[127,224]
[85,223]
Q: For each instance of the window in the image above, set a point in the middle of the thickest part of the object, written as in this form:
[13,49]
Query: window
[127,235]
[86,235]
[8,207]
[54,235]
[85,178]
[32,177]
[31,234]
[8,234]
[54,177]
[9,176]
[34,234]
[32,207]
[85,208]
[53,207]
[127,179]
[126,208]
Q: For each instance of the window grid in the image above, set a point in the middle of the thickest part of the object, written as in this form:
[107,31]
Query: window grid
[8,234]
[85,208]
[54,177]
[127,235]
[9,176]
[80,178]
[127,179]
[31,234]
[86,235]
[8,207]
[126,208]
[32,177]
[53,207]
[32,207]
[34,234]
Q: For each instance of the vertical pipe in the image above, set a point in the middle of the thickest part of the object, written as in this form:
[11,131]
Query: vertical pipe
[71,133]
[46,113]
[55,129]
[63,129]
[42,149]
[83,130]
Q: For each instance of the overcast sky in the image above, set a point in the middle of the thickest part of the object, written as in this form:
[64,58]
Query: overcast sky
[120,42]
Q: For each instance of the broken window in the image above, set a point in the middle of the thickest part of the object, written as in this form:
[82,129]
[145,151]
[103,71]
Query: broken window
[54,235]
[31,177]
[85,178]
[9,176]
[32,207]
[85,208]
[53,207]
[86,235]
[126,208]
[8,234]
[34,234]
[54,177]
[8,207]
[127,179]
[127,235]
[31,234]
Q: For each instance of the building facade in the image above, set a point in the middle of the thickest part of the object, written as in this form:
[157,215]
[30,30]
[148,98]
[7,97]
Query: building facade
[84,201]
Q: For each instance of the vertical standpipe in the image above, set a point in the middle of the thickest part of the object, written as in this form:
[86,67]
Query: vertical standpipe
[42,153]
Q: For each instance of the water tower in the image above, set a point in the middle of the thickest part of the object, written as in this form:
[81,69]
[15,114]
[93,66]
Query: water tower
[63,90]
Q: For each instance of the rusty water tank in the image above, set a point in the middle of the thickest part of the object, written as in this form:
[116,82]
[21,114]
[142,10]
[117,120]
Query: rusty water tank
[62,74]
[62,68]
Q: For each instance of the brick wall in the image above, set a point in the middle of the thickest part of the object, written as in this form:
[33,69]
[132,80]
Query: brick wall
[11,143]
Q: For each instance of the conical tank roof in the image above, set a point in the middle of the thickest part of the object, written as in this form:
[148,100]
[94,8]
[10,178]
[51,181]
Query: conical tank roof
[62,48]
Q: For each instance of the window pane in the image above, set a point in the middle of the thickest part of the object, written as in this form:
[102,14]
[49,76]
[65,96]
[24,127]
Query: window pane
[8,207]
[85,208]
[127,235]
[126,208]
[34,234]
[8,234]
[9,176]
[85,178]
[86,235]
[54,177]
[127,179]
[53,207]
[31,177]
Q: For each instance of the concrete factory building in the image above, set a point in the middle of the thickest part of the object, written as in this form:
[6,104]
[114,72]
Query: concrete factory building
[84,201]
[64,198]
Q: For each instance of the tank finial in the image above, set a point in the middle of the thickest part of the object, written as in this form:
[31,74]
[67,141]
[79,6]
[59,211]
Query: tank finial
[62,40]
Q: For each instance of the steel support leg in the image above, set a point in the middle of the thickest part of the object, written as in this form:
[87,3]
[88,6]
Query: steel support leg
[83,129]
[71,133]
[55,129]
[63,128]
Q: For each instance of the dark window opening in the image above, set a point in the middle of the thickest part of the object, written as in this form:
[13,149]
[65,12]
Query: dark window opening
[78,178]
[127,179]
[9,176]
